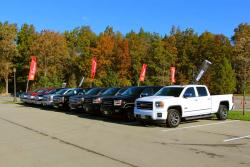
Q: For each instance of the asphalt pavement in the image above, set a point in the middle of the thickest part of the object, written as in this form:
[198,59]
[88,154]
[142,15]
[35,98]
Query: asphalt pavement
[31,136]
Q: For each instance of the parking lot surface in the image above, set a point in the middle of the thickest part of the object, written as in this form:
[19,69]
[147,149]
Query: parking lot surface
[32,136]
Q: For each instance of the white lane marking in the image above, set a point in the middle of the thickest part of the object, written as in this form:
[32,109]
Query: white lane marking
[237,138]
[197,126]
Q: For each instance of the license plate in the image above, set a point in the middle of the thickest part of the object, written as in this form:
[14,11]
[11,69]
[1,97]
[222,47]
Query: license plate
[143,117]
[106,112]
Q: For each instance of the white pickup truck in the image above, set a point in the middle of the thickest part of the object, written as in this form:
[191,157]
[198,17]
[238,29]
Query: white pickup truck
[171,104]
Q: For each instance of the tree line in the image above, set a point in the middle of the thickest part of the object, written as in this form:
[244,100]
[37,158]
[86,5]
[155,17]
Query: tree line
[66,57]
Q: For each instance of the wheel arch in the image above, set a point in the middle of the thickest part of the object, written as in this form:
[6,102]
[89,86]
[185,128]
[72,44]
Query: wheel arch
[225,103]
[176,107]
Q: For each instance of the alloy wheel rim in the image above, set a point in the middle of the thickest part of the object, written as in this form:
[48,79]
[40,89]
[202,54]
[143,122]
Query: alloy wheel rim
[174,118]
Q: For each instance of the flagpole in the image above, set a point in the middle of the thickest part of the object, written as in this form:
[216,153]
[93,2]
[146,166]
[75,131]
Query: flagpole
[27,86]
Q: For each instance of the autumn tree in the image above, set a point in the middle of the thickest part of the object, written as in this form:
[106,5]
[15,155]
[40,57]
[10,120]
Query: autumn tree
[51,50]
[8,50]
[103,52]
[122,60]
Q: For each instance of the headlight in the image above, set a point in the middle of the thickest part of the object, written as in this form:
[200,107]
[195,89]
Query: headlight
[62,99]
[82,99]
[159,104]
[97,100]
[40,98]
[117,102]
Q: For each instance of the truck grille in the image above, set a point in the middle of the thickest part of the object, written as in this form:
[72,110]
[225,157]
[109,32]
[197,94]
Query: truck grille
[143,105]
[74,100]
[108,103]
[88,101]
[56,99]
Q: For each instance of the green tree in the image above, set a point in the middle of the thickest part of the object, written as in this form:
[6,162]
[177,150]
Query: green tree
[80,42]
[226,80]
[187,46]
[241,40]
[139,47]
[25,38]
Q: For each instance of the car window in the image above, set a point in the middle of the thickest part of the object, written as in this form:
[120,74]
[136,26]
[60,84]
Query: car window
[121,91]
[202,91]
[60,92]
[189,92]
[93,91]
[71,92]
[110,91]
[131,91]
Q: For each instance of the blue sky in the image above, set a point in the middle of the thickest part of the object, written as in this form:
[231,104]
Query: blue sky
[216,16]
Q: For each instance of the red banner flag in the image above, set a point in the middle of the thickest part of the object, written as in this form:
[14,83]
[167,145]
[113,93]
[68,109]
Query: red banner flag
[143,72]
[93,68]
[172,75]
[32,68]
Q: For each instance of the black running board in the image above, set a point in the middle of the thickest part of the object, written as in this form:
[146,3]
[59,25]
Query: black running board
[198,117]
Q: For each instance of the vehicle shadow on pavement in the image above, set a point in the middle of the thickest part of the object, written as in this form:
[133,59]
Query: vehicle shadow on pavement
[115,120]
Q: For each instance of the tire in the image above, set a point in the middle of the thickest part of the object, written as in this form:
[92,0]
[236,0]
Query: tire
[222,112]
[174,118]
[130,116]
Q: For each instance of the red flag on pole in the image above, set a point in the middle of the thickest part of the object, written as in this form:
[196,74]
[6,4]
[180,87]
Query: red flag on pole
[32,68]
[172,75]
[143,72]
[93,68]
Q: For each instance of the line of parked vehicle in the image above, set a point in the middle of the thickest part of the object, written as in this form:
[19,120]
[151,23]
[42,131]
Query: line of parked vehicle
[169,104]
[110,102]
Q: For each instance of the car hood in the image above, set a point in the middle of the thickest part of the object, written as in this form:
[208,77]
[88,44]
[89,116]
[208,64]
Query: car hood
[155,98]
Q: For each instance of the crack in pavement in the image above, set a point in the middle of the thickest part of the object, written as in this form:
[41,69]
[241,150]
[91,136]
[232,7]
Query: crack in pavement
[68,143]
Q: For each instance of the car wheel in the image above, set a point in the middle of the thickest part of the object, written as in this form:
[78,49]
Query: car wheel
[130,116]
[174,118]
[222,112]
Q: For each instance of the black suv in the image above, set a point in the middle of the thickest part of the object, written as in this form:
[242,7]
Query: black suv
[93,103]
[76,102]
[62,101]
[123,105]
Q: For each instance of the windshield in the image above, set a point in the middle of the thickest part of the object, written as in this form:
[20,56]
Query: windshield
[61,92]
[41,91]
[121,91]
[169,91]
[130,91]
[71,92]
[93,91]
[110,91]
